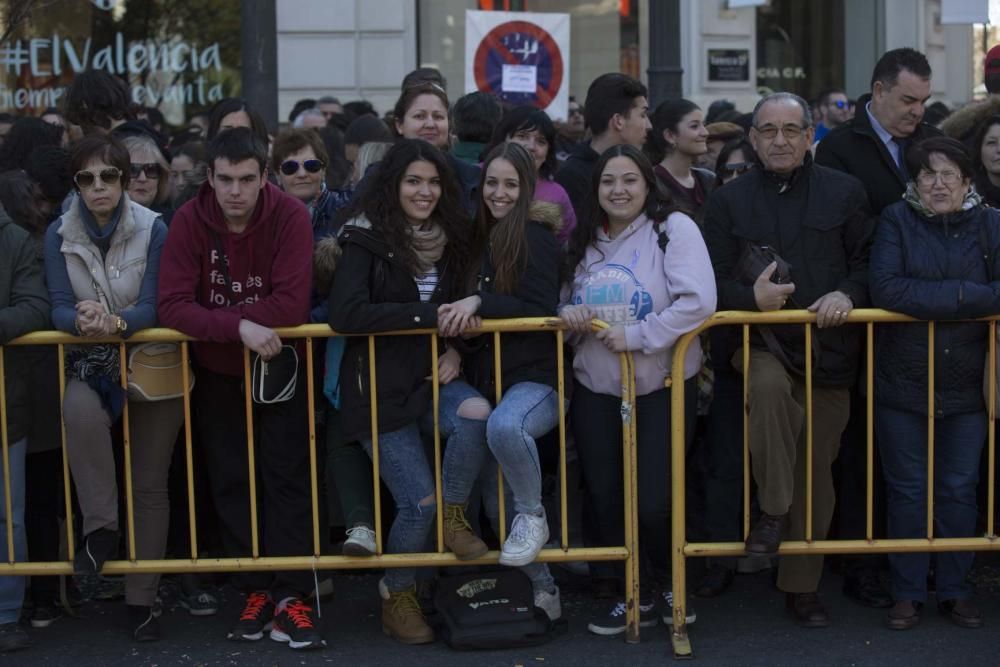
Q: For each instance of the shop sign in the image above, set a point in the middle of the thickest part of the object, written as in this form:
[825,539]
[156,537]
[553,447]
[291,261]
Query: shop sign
[520,57]
[729,65]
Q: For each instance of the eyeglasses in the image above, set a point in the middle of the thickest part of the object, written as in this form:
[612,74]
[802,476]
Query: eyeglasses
[85,179]
[790,131]
[290,167]
[151,169]
[737,168]
[841,104]
[949,178]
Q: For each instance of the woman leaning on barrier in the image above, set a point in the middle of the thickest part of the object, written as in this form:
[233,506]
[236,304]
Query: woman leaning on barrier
[641,266]
[927,261]
[518,277]
[102,258]
[406,249]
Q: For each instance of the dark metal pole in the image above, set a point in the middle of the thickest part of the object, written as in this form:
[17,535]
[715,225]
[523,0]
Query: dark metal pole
[259,48]
[664,51]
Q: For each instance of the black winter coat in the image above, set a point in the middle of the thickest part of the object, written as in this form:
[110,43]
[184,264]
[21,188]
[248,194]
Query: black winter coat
[373,292]
[575,175]
[856,149]
[934,269]
[827,250]
[525,357]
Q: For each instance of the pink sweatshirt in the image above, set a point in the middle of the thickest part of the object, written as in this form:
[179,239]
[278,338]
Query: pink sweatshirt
[658,296]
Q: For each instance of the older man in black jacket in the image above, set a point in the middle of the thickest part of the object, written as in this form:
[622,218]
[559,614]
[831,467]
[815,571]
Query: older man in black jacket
[871,147]
[818,221]
[24,307]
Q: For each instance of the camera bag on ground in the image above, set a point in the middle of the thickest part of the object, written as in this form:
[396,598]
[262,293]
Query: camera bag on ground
[491,610]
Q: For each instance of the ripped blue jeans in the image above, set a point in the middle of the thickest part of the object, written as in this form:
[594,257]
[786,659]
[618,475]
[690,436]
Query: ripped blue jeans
[405,469]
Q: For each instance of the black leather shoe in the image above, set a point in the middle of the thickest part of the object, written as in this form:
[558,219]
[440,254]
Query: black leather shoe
[807,610]
[717,581]
[962,613]
[142,621]
[865,588]
[765,538]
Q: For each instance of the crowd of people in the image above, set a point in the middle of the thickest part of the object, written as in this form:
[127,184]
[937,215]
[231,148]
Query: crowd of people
[438,216]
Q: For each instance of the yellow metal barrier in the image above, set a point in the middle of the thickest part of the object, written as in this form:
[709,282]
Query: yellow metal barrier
[869,317]
[627,552]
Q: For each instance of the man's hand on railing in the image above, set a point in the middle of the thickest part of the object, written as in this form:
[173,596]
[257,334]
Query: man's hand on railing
[261,340]
[577,318]
[831,309]
[771,296]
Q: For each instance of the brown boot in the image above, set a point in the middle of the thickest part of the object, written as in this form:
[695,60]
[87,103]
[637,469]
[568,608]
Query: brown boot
[401,616]
[458,535]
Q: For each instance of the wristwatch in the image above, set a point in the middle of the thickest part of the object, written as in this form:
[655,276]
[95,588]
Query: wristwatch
[120,324]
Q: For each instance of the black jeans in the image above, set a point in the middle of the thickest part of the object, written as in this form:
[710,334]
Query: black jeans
[597,429]
[281,453]
[44,498]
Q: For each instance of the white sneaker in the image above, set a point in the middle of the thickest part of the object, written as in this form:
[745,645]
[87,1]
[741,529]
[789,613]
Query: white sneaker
[360,541]
[528,534]
[549,603]
[667,610]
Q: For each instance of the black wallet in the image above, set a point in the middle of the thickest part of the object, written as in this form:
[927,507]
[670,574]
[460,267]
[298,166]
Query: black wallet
[273,381]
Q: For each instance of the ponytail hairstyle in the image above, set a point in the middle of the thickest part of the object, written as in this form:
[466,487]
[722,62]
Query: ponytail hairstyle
[506,237]
[667,116]
[657,207]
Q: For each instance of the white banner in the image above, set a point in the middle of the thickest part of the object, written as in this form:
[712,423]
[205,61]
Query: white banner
[521,57]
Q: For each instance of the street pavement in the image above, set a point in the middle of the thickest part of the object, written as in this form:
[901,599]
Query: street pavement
[746,626]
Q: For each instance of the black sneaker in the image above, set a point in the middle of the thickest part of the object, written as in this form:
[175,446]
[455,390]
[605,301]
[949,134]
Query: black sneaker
[13,638]
[255,619]
[613,623]
[98,547]
[295,624]
[143,623]
[43,617]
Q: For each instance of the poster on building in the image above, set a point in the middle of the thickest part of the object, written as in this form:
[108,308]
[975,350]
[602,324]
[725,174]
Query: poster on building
[521,57]
[176,55]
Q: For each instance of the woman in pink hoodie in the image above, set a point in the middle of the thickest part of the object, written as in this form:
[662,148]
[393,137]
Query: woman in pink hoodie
[641,266]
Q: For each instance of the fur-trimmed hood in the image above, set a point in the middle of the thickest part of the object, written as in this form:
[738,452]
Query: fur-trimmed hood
[963,123]
[548,213]
[325,255]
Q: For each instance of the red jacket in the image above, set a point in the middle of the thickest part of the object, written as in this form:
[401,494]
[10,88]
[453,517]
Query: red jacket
[269,274]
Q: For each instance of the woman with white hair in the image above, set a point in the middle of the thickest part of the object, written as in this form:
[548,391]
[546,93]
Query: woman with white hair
[150,183]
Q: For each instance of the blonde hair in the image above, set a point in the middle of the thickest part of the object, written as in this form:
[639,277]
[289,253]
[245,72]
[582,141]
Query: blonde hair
[368,154]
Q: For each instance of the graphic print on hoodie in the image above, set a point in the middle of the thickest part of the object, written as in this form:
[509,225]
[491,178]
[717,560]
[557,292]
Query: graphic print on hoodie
[615,294]
[269,267]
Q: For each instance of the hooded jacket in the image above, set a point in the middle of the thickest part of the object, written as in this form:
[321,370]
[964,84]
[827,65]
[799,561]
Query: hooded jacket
[24,307]
[658,295]
[373,292]
[211,278]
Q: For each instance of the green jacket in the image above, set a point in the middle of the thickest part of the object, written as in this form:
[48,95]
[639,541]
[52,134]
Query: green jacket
[468,151]
[24,307]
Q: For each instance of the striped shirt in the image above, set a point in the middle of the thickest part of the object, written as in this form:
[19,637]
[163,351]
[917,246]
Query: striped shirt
[426,284]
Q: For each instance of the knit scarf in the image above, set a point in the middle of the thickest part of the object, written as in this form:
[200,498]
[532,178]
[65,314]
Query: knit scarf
[429,241]
[912,197]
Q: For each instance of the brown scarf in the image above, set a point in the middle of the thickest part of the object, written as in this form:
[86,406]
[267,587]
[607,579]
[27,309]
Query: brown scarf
[429,241]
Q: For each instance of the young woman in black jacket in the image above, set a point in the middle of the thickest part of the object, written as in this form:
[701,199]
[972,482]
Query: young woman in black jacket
[519,277]
[404,252]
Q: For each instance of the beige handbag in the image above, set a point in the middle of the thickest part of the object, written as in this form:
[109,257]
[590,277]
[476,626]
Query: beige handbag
[155,372]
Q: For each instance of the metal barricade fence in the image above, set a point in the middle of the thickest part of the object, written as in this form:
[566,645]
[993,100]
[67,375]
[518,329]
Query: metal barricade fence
[868,317]
[316,560]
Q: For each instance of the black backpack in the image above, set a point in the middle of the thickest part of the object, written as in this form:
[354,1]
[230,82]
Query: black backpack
[491,610]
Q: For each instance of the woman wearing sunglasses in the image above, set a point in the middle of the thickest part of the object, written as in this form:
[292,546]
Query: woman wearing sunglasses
[736,158]
[149,175]
[102,257]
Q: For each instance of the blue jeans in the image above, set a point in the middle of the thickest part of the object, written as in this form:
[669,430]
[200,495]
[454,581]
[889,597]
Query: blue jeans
[958,443]
[528,410]
[404,467]
[12,588]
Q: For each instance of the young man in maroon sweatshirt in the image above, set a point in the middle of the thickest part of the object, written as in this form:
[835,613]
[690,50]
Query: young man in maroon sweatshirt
[237,264]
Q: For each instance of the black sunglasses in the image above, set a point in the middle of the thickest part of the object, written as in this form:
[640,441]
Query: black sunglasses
[737,168]
[85,179]
[290,167]
[151,169]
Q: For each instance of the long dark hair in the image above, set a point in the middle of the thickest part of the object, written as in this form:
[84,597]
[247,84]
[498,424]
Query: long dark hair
[657,207]
[378,201]
[666,117]
[980,136]
[507,236]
